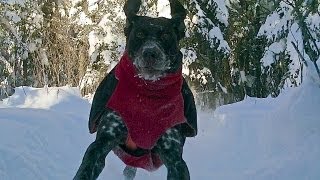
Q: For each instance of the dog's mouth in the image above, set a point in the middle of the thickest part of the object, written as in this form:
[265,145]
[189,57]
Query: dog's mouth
[150,73]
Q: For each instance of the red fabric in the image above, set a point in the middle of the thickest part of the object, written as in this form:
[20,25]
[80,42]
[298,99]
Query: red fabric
[148,108]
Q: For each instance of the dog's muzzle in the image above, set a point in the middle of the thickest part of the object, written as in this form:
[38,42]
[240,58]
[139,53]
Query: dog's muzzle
[151,61]
[150,56]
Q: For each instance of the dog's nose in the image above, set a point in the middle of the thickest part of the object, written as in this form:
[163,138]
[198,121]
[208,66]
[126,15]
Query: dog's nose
[150,55]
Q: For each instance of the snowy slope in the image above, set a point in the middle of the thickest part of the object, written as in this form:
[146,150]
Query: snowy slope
[43,135]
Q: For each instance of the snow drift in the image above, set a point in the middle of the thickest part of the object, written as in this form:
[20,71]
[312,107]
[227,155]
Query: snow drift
[43,135]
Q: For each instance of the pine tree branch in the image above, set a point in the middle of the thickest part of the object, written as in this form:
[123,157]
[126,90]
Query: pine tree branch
[11,29]
[7,64]
[313,41]
[306,37]
[289,3]
[304,60]
[299,53]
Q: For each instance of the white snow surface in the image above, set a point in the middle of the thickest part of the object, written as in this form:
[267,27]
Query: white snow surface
[43,135]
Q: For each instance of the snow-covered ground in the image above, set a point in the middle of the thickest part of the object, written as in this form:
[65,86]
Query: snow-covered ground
[43,135]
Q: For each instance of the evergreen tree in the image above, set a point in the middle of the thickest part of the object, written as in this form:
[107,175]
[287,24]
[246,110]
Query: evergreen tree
[21,22]
[206,51]
[232,49]
[246,18]
[292,41]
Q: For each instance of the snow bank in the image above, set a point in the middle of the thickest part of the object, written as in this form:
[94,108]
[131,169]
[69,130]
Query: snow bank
[43,135]
[269,138]
[62,99]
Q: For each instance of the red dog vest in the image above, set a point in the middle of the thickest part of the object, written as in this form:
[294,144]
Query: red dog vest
[148,108]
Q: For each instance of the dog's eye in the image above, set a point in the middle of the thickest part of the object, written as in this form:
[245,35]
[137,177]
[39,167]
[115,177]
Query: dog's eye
[140,35]
[165,36]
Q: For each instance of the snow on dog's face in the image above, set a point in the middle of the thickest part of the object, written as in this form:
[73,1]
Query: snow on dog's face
[152,43]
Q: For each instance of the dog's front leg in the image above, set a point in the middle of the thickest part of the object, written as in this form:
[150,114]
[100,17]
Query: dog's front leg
[110,133]
[170,147]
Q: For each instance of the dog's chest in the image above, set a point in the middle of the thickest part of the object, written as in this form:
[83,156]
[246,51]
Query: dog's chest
[148,110]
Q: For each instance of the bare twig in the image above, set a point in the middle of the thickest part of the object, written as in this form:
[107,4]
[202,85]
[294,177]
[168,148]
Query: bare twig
[299,53]
[317,68]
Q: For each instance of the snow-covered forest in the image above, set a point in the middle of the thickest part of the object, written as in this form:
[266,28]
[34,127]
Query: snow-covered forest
[233,48]
[253,66]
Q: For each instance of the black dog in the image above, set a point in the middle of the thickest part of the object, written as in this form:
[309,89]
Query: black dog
[143,110]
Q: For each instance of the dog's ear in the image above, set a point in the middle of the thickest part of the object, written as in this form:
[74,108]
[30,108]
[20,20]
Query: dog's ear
[178,14]
[131,8]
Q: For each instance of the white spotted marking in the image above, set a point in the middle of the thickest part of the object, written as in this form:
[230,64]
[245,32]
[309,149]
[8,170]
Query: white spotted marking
[173,139]
[115,124]
[169,138]
[167,145]
[113,115]
[111,131]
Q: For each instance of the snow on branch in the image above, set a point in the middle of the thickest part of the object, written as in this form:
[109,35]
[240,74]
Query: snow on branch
[10,27]
[207,27]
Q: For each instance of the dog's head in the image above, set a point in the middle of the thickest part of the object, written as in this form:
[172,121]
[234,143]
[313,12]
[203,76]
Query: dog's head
[152,43]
